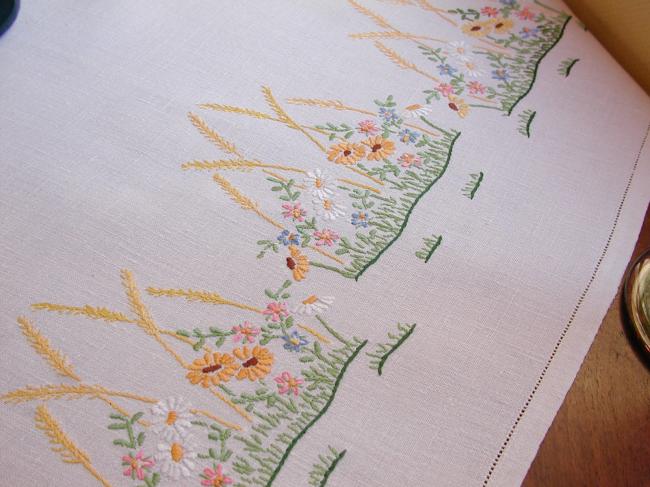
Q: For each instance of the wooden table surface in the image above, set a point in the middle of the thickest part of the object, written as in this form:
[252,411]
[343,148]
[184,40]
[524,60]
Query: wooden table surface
[601,434]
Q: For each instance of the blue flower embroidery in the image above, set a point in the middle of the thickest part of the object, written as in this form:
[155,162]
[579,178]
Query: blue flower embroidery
[287,238]
[388,114]
[294,342]
[509,3]
[500,74]
[407,136]
[446,69]
[360,219]
[527,32]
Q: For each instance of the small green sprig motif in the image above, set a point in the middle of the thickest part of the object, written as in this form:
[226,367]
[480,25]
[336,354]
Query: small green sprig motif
[566,66]
[471,187]
[384,350]
[525,121]
[429,247]
[327,462]
[220,435]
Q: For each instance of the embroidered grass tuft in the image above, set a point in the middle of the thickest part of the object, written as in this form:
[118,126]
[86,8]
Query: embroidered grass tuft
[566,66]
[429,247]
[326,464]
[384,350]
[471,187]
[525,121]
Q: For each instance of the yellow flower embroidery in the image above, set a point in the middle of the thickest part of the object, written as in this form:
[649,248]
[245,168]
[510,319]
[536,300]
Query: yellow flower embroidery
[502,25]
[477,28]
[380,148]
[346,153]
[298,263]
[458,105]
[212,369]
[255,363]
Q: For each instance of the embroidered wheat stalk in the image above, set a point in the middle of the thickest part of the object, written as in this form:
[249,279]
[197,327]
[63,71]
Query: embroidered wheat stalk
[41,345]
[64,446]
[67,391]
[285,118]
[213,136]
[376,18]
[89,311]
[232,109]
[201,296]
[401,62]
[241,164]
[394,35]
[425,5]
[243,201]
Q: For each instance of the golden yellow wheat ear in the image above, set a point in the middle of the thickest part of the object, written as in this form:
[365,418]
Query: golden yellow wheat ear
[68,391]
[96,313]
[201,296]
[144,318]
[401,62]
[440,12]
[41,346]
[61,444]
[213,136]
[237,164]
[376,18]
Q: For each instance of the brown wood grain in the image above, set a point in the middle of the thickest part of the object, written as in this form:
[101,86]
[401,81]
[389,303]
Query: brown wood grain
[601,434]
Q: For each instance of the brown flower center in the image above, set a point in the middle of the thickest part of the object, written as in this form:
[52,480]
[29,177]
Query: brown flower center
[376,147]
[347,152]
[291,264]
[211,368]
[251,362]
[453,106]
[499,25]
[476,28]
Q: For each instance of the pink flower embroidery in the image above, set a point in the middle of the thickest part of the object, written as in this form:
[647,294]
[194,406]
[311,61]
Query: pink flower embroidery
[445,89]
[276,311]
[490,11]
[476,88]
[326,237]
[215,477]
[288,384]
[525,14]
[408,160]
[368,127]
[136,465]
[294,211]
[246,332]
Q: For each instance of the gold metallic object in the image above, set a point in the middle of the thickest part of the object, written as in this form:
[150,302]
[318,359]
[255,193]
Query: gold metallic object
[637,299]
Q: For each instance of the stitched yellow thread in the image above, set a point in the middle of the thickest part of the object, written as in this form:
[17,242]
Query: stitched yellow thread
[217,419]
[67,391]
[494,45]
[202,296]
[425,5]
[210,134]
[145,321]
[234,406]
[237,164]
[41,345]
[93,312]
[285,118]
[64,446]
[326,254]
[243,201]
[282,178]
[121,410]
[394,35]
[314,333]
[359,185]
[242,111]
[376,18]
[401,62]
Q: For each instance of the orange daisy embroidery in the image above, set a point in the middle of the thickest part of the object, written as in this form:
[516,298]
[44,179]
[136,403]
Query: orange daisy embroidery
[255,363]
[212,369]
[298,263]
[346,153]
[380,148]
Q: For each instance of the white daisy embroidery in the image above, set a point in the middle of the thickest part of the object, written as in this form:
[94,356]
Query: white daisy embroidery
[459,50]
[171,418]
[416,110]
[471,69]
[313,304]
[175,459]
[327,208]
[319,183]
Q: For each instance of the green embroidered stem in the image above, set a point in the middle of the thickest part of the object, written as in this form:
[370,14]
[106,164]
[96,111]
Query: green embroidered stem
[525,120]
[566,66]
[321,471]
[471,187]
[332,331]
[543,5]
[385,350]
[412,207]
[330,268]
[432,125]
[539,61]
[302,432]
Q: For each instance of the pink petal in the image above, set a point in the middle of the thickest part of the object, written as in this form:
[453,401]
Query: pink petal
[140,474]
[127,472]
